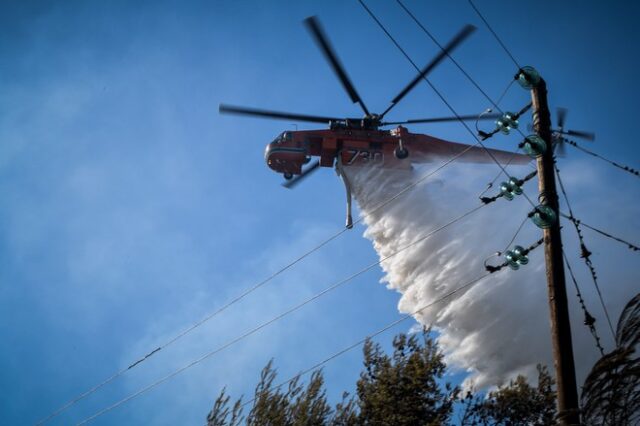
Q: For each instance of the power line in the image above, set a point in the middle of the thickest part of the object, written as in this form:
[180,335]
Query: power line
[589,320]
[586,254]
[493,181]
[526,219]
[501,171]
[613,163]
[559,315]
[382,330]
[504,47]
[417,182]
[495,104]
[504,92]
[515,235]
[488,200]
[428,33]
[471,79]
[631,246]
[276,318]
[250,290]
[570,142]
[442,98]
[190,328]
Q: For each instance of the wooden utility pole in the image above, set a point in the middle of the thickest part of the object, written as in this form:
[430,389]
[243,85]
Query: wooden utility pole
[568,409]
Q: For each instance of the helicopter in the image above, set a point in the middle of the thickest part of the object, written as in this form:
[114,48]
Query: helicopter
[358,142]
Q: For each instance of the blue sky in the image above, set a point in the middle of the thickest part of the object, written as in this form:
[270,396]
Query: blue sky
[131,209]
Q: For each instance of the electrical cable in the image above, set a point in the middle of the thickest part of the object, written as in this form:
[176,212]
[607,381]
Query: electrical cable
[613,163]
[571,217]
[490,268]
[276,318]
[380,331]
[570,142]
[189,329]
[495,104]
[493,181]
[442,98]
[255,287]
[589,320]
[586,254]
[428,33]
[417,182]
[494,34]
[631,246]
[526,219]
[472,80]
[626,168]
[251,289]
[504,92]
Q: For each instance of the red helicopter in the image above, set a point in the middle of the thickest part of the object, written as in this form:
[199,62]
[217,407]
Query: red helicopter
[360,141]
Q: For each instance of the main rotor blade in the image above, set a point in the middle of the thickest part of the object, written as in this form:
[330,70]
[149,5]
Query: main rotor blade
[306,172]
[462,35]
[492,116]
[313,25]
[584,135]
[562,115]
[238,110]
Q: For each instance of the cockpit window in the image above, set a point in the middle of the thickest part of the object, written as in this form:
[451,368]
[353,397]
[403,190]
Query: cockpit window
[283,137]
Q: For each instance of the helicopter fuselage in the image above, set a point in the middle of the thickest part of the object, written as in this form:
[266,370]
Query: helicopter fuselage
[291,150]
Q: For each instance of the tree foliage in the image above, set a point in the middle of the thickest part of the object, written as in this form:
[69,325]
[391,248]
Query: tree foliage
[611,392]
[407,388]
[515,404]
[403,388]
[297,405]
[222,415]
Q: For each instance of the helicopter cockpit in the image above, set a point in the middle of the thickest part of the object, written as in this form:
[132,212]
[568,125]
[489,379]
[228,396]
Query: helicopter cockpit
[283,137]
[284,158]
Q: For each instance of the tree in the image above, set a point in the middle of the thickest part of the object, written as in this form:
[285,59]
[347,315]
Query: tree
[295,406]
[611,392]
[515,404]
[404,388]
[221,415]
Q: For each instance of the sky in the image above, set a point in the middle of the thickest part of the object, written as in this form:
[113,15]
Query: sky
[132,209]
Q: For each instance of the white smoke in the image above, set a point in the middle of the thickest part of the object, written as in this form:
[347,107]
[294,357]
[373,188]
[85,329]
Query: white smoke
[496,329]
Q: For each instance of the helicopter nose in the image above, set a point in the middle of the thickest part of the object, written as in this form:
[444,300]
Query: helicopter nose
[284,159]
[268,151]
